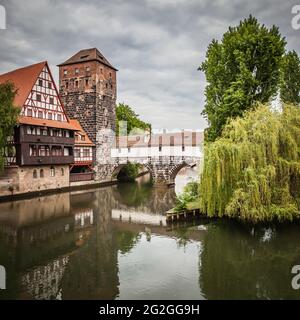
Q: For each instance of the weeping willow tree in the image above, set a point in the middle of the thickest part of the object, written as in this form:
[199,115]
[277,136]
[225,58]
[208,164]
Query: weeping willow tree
[252,171]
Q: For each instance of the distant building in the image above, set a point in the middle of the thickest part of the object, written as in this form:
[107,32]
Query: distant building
[41,150]
[159,145]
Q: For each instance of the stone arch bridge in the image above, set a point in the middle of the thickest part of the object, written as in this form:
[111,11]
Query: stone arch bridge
[163,155]
[163,170]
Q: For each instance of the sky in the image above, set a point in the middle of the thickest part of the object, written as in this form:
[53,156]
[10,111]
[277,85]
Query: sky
[157,45]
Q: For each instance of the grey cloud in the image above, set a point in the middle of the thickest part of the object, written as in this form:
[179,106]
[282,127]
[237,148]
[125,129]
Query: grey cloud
[157,45]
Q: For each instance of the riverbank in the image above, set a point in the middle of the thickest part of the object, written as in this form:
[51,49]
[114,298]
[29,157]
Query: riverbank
[72,187]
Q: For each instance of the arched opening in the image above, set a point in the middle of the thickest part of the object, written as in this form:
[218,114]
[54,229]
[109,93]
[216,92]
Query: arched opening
[132,172]
[184,174]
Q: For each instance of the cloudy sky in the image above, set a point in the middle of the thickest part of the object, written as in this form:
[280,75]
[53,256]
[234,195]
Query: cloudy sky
[157,45]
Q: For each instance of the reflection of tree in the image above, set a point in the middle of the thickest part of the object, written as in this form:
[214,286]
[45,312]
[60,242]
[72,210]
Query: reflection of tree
[237,263]
[127,240]
[183,236]
[133,194]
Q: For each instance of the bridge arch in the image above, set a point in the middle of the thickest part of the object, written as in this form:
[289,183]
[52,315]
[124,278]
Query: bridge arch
[117,169]
[175,170]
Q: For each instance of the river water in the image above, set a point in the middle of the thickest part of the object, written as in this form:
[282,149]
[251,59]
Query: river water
[114,243]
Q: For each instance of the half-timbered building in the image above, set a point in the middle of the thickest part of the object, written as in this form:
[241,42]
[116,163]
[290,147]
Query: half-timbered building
[82,169]
[41,151]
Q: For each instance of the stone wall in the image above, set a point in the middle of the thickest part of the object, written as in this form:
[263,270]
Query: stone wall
[93,104]
[18,180]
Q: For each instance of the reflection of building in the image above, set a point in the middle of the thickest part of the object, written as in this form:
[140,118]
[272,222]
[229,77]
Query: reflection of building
[92,272]
[40,152]
[44,282]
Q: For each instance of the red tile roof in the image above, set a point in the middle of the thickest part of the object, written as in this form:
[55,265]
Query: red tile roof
[87,141]
[24,80]
[47,123]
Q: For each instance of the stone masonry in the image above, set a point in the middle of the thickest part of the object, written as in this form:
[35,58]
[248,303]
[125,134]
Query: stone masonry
[88,89]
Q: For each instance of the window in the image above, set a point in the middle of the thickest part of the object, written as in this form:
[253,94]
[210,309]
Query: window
[111,86]
[86,152]
[33,151]
[28,130]
[77,153]
[40,114]
[76,137]
[34,174]
[62,171]
[88,69]
[86,82]
[59,117]
[49,85]
[76,83]
[56,151]
[40,82]
[49,116]
[106,86]
[52,172]
[51,100]
[76,71]
[67,85]
[42,151]
[65,72]
[44,132]
[82,138]
[110,74]
[66,152]
[159,148]
[42,173]
[38,97]
[29,112]
[66,134]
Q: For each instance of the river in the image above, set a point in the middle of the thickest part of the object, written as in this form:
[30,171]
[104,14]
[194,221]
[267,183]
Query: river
[114,243]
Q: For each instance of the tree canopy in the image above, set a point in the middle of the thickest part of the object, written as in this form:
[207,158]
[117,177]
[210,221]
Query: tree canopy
[290,82]
[241,70]
[126,113]
[252,171]
[8,116]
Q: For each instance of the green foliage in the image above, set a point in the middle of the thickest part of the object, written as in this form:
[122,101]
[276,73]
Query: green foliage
[252,171]
[189,195]
[8,115]
[129,172]
[290,83]
[241,70]
[134,124]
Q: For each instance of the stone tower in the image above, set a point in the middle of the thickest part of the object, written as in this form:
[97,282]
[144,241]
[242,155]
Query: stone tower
[88,88]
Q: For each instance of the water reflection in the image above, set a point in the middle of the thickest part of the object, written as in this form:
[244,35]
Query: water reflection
[113,243]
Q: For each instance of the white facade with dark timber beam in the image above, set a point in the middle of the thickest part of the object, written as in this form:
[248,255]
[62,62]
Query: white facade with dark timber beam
[164,155]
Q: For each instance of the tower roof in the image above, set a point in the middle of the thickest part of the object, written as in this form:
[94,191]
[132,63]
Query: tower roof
[86,55]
